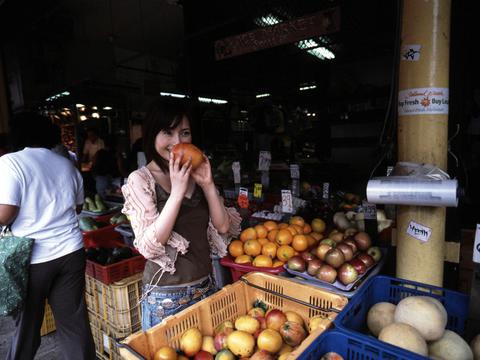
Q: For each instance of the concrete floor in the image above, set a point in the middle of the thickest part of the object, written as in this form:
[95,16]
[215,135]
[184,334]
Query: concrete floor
[48,350]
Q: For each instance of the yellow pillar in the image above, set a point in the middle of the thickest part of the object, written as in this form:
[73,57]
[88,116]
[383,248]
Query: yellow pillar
[3,100]
[423,129]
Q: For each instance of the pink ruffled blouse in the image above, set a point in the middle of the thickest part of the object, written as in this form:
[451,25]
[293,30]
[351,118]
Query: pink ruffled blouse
[141,207]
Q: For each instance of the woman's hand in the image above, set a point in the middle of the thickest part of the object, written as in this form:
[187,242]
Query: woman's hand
[179,176]
[203,174]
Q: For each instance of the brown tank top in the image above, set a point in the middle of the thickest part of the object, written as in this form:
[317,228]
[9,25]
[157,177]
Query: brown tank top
[192,224]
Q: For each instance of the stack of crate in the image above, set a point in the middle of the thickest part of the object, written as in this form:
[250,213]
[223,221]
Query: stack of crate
[48,324]
[114,312]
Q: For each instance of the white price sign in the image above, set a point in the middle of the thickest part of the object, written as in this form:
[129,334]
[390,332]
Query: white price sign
[287,201]
[326,190]
[236,172]
[264,159]
[476,246]
[369,210]
[294,171]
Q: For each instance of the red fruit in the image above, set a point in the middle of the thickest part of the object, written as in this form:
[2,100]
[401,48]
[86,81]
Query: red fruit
[220,341]
[335,258]
[347,274]
[188,151]
[358,265]
[327,273]
[363,240]
[203,355]
[366,259]
[275,319]
[293,333]
[346,250]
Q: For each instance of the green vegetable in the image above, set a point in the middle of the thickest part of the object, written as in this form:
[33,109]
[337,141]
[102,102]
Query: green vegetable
[87,224]
[118,219]
[99,203]
[90,204]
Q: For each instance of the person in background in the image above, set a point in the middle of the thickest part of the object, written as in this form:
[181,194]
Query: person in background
[61,149]
[93,143]
[105,171]
[177,216]
[4,148]
[41,194]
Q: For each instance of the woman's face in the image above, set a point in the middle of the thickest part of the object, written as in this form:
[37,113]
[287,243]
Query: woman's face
[167,138]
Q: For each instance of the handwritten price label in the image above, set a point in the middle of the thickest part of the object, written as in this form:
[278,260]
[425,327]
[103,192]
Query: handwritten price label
[243,198]
[476,246]
[370,211]
[418,231]
[287,201]
[257,190]
[264,160]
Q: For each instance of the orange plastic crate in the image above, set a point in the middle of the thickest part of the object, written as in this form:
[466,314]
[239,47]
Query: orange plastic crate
[117,271]
[233,301]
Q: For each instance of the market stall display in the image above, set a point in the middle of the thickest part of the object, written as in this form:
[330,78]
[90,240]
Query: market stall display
[228,308]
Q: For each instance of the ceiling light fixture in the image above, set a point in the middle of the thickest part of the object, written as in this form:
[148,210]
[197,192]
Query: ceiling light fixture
[211,100]
[78,106]
[262,95]
[83,117]
[96,115]
[107,108]
[310,45]
[308,87]
[180,96]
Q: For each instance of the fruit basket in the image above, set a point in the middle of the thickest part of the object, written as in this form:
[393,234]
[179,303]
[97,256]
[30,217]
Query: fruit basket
[238,270]
[353,318]
[118,270]
[351,346]
[233,301]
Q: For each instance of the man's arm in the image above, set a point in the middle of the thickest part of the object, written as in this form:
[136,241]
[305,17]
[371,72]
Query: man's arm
[8,213]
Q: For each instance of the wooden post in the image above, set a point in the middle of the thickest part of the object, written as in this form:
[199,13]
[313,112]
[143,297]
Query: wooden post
[423,129]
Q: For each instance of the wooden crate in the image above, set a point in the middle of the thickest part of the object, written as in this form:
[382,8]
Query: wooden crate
[48,324]
[117,303]
[233,301]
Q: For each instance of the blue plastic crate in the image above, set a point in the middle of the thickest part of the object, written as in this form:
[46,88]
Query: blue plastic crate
[351,346]
[353,319]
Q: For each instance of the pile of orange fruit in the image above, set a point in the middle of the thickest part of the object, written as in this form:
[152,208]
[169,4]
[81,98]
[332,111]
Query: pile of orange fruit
[271,244]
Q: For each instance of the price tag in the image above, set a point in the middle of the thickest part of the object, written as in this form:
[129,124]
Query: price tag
[294,171]
[389,170]
[476,246]
[326,190]
[264,159]
[265,179]
[257,190]
[243,198]
[419,231]
[287,201]
[236,172]
[370,211]
[296,187]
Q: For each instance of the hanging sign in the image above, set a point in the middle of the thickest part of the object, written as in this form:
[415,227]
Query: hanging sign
[287,201]
[476,246]
[236,172]
[294,171]
[264,159]
[418,231]
[323,22]
[422,101]
[243,198]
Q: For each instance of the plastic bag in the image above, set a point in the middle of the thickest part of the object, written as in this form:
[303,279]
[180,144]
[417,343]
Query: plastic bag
[15,253]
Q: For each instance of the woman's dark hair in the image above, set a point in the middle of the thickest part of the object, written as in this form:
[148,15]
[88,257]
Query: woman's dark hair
[30,129]
[162,115]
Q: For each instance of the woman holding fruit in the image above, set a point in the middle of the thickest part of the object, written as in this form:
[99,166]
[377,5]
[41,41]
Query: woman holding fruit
[177,215]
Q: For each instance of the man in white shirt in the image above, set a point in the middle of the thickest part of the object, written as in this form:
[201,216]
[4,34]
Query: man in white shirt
[41,193]
[93,143]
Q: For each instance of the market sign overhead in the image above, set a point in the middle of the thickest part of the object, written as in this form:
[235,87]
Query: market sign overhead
[323,22]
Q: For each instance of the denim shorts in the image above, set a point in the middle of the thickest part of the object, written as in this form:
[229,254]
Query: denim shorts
[163,301]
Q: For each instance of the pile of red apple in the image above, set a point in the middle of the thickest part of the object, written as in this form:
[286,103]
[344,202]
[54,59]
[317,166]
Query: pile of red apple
[343,256]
